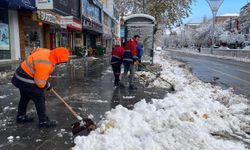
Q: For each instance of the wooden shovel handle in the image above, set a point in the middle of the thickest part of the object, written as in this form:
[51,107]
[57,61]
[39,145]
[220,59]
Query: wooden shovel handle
[63,101]
[151,71]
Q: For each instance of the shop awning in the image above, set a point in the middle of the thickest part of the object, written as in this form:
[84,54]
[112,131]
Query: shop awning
[75,26]
[18,4]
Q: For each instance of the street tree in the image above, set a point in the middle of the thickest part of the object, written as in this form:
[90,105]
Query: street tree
[166,12]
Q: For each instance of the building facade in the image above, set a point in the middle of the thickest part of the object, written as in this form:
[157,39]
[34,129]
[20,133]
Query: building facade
[244,19]
[92,25]
[74,24]
[9,27]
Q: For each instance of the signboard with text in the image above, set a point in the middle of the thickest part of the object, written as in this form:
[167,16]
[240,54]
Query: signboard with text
[44,4]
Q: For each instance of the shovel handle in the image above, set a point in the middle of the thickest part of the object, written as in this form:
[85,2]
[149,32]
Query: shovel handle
[156,74]
[140,77]
[64,102]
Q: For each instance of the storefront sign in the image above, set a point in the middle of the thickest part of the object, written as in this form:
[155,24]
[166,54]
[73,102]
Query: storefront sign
[75,25]
[44,4]
[91,25]
[65,20]
[4,37]
[47,17]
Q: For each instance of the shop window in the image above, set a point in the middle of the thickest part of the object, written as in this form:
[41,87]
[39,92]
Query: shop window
[4,35]
[62,39]
[33,35]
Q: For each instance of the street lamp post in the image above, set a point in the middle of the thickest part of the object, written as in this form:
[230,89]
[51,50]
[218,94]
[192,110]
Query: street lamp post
[214,5]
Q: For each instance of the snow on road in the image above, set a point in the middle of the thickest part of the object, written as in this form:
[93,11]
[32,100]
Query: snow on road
[197,116]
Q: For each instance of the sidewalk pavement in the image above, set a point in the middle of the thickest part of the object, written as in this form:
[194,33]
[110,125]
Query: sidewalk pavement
[87,86]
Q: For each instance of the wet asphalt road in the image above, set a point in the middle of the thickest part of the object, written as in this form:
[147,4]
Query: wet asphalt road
[87,85]
[226,73]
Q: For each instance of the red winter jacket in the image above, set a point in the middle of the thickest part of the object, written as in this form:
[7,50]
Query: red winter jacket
[117,55]
[131,45]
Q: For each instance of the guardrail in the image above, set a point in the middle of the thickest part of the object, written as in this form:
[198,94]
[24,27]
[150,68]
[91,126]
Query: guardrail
[239,53]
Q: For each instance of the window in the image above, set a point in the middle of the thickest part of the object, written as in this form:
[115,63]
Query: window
[4,35]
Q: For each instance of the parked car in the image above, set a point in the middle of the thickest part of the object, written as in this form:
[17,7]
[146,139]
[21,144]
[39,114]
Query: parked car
[158,48]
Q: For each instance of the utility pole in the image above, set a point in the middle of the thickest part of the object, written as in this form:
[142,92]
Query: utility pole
[214,5]
[143,6]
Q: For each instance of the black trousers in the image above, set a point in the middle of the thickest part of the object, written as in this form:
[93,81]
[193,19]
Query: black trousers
[37,98]
[117,71]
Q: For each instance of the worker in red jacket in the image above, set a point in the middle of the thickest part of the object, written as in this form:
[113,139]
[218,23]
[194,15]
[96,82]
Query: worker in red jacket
[116,61]
[130,58]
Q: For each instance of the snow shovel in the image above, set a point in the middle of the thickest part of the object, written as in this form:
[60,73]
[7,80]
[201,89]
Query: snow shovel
[82,124]
[146,82]
[158,76]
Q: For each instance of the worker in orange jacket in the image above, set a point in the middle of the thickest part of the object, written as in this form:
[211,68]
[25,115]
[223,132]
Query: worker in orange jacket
[31,79]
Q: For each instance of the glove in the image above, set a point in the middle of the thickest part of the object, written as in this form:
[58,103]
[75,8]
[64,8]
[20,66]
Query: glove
[136,62]
[48,87]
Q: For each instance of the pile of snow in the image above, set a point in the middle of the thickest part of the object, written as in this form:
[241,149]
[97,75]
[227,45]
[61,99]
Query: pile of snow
[6,74]
[196,116]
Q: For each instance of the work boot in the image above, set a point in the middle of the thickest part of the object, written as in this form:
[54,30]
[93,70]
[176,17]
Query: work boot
[24,119]
[119,84]
[132,87]
[116,84]
[48,124]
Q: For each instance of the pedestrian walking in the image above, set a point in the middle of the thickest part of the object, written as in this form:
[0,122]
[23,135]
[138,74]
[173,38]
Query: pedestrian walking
[31,80]
[116,62]
[130,59]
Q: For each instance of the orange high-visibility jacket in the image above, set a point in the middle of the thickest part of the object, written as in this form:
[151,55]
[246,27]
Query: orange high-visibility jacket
[40,65]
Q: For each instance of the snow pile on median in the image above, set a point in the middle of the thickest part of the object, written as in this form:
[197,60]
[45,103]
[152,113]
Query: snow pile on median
[194,52]
[197,116]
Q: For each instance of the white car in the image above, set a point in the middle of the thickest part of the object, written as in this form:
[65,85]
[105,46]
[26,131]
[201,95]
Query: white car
[158,49]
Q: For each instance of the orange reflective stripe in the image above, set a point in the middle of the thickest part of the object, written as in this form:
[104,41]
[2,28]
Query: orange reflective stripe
[40,81]
[30,66]
[41,61]
[24,80]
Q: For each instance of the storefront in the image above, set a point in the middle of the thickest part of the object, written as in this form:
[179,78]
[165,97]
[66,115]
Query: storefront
[30,32]
[75,36]
[92,26]
[70,35]
[38,29]
[9,26]
[107,38]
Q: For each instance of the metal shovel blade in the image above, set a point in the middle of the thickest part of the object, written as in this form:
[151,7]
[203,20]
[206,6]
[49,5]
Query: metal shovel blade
[84,125]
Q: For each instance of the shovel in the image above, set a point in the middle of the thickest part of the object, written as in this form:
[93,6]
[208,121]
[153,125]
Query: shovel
[158,75]
[82,124]
[146,82]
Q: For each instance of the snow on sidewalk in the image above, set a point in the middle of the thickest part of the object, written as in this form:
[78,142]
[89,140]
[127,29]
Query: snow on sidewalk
[187,119]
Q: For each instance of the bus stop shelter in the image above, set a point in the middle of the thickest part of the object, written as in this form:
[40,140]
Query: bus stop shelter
[142,25]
